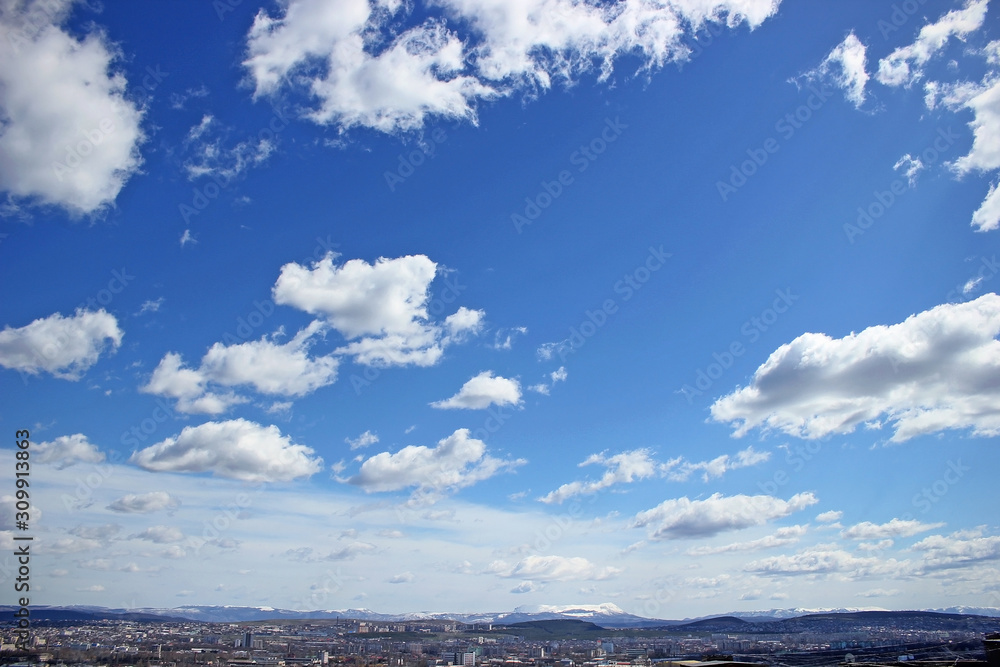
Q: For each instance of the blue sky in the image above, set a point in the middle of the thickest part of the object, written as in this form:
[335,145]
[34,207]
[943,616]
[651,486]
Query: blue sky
[682,306]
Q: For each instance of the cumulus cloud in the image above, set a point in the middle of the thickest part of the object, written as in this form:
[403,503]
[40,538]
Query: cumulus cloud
[402,578]
[70,137]
[895,528]
[959,549]
[553,568]
[844,67]
[456,462]
[780,538]
[682,518]
[380,308]
[236,449]
[359,71]
[937,370]
[63,346]
[826,559]
[830,516]
[144,503]
[905,65]
[265,365]
[68,450]
[482,391]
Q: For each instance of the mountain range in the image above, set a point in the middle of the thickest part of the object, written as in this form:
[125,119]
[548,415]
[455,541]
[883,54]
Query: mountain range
[606,615]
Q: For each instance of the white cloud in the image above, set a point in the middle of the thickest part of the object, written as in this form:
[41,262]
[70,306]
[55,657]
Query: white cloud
[70,137]
[558,375]
[458,461]
[364,440]
[504,338]
[359,72]
[984,102]
[681,518]
[402,578]
[638,464]
[720,465]
[844,66]
[160,534]
[904,65]
[912,166]
[959,549]
[553,568]
[781,537]
[269,367]
[621,468]
[829,517]
[878,593]
[68,450]
[987,217]
[937,370]
[380,307]
[144,503]
[482,391]
[826,559]
[895,528]
[237,449]
[63,346]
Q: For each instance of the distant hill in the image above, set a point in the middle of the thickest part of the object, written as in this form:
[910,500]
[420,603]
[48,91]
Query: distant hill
[557,629]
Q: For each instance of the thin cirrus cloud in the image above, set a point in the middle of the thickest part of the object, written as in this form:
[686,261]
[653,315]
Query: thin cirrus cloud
[937,370]
[482,391]
[639,464]
[236,449]
[397,81]
[553,568]
[71,135]
[683,518]
[781,537]
[65,347]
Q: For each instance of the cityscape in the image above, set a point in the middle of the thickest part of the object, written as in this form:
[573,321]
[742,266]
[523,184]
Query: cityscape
[71,636]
